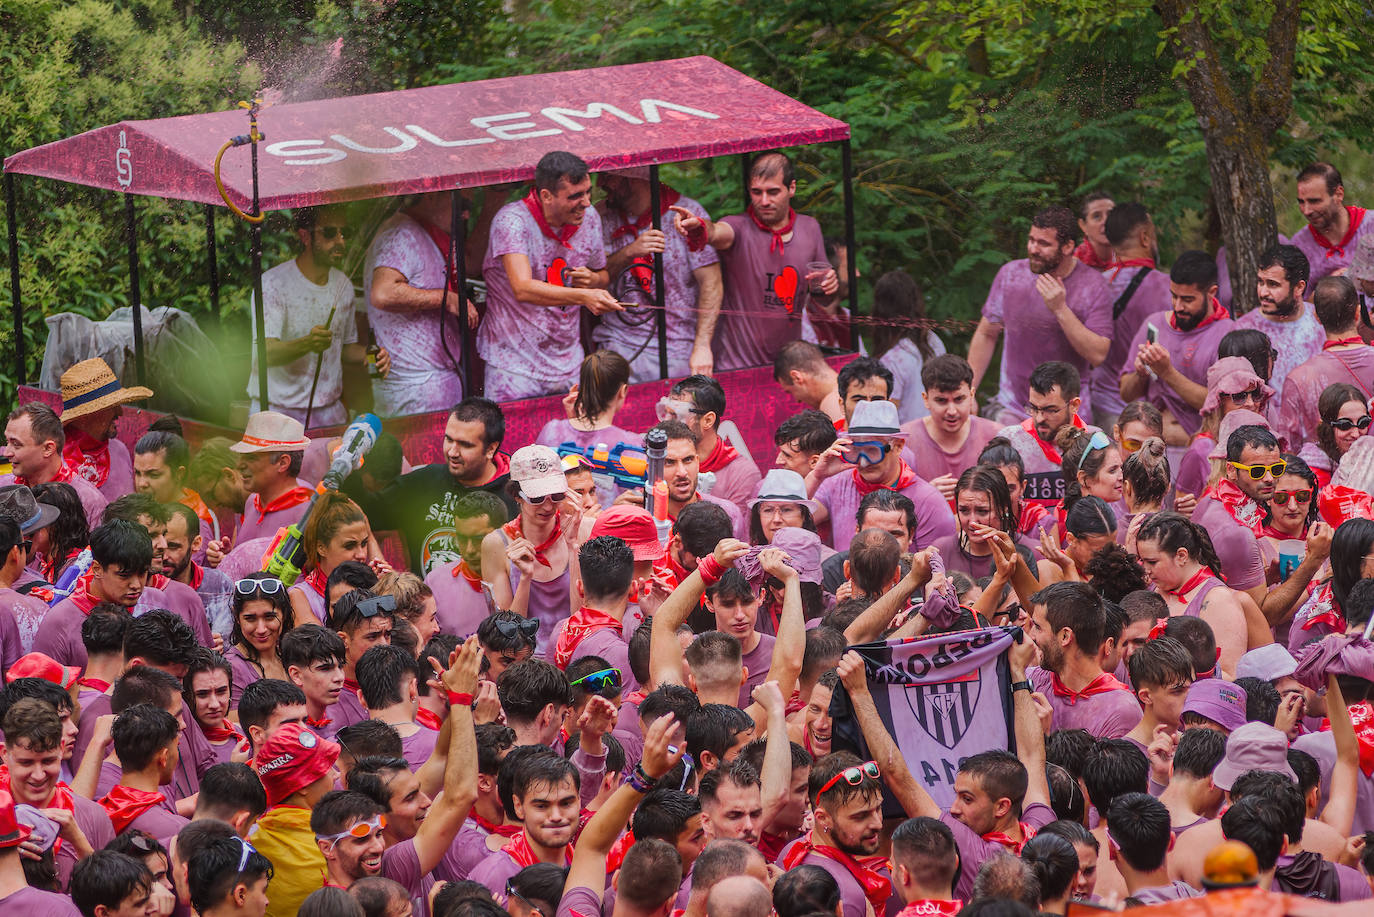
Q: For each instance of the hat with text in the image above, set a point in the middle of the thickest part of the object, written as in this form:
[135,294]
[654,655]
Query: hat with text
[1219,701]
[539,472]
[293,759]
[268,431]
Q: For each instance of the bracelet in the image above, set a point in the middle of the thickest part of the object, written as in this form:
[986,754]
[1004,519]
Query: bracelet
[639,781]
[710,569]
[456,699]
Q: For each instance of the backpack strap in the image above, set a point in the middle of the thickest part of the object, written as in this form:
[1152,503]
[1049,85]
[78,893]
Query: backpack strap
[1124,299]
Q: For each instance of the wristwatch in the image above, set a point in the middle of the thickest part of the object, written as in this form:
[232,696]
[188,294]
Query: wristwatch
[1022,686]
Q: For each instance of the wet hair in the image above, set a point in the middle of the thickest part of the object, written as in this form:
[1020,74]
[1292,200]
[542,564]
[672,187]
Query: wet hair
[69,531]
[1261,700]
[1305,768]
[331,513]
[770,163]
[542,770]
[261,698]
[123,546]
[812,430]
[608,566]
[381,672]
[1297,466]
[841,791]
[946,372]
[1295,266]
[1251,435]
[1073,444]
[737,772]
[346,616]
[822,652]
[1001,775]
[1172,531]
[528,686]
[1060,219]
[1147,471]
[675,430]
[491,636]
[1359,603]
[874,556]
[1072,831]
[339,808]
[1075,606]
[989,480]
[144,684]
[1160,663]
[1142,412]
[1055,373]
[1352,541]
[650,875]
[1251,344]
[107,878]
[1090,515]
[885,500]
[583,666]
[1000,453]
[556,167]
[926,848]
[229,788]
[132,507]
[352,573]
[897,298]
[664,814]
[1112,769]
[1138,824]
[34,721]
[280,603]
[483,410]
[160,638]
[805,890]
[861,370]
[1329,403]
[102,633]
[678,700]
[1199,750]
[1054,861]
[1196,636]
[215,870]
[371,741]
[176,454]
[1277,791]
[799,356]
[1066,796]
[707,394]
[1258,825]
[600,379]
[1194,268]
[1143,605]
[714,728]
[1114,573]
[309,644]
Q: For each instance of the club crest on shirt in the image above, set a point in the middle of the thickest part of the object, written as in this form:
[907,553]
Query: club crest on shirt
[945,709]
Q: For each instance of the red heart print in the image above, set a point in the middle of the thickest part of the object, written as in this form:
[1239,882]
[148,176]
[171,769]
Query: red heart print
[558,272]
[785,286]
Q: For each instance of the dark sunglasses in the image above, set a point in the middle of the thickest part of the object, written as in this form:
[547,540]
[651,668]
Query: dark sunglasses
[535,501]
[331,233]
[603,682]
[368,607]
[525,628]
[1345,423]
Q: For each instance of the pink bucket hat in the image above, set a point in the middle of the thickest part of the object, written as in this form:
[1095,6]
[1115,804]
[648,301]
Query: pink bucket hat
[1230,424]
[1230,376]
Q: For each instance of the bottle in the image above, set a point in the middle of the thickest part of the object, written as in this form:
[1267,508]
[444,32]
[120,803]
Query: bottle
[371,360]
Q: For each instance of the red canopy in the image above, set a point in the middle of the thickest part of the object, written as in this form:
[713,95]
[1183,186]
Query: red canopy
[442,137]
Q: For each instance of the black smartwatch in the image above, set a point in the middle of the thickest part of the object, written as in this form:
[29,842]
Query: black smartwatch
[1022,686]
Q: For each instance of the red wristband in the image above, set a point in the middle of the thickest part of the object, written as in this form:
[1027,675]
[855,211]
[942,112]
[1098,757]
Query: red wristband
[710,569]
[459,700]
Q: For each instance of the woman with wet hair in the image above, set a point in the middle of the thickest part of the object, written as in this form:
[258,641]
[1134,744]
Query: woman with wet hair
[1343,417]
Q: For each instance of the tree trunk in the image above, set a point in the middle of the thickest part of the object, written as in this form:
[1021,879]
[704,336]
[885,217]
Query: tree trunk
[1239,166]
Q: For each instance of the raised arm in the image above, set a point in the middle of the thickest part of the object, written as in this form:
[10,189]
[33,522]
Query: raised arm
[451,807]
[665,656]
[1030,737]
[785,664]
[776,773]
[1340,808]
[876,618]
[981,347]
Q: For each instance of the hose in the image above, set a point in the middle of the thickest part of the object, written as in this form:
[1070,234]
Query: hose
[219,183]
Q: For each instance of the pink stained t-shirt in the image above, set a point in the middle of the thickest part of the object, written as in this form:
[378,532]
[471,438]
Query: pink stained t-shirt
[1236,546]
[460,608]
[1296,342]
[1106,715]
[738,482]
[932,462]
[1298,414]
[1032,334]
[841,498]
[1321,261]
[1150,296]
[1191,352]
[764,287]
[538,342]
[412,338]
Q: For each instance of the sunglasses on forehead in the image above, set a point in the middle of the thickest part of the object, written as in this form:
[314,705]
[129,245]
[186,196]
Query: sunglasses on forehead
[605,681]
[852,776]
[525,628]
[268,585]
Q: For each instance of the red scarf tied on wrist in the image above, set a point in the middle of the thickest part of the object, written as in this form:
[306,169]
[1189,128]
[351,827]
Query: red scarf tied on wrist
[583,623]
[1099,685]
[518,849]
[642,268]
[562,235]
[1337,249]
[1239,505]
[124,804]
[905,478]
[998,837]
[87,456]
[776,243]
[877,887]
[722,455]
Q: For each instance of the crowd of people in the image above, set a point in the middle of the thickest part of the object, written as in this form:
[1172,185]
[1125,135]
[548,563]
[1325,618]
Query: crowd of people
[502,684]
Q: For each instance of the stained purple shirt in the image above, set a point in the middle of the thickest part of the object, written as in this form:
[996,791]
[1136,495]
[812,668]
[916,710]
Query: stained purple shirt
[468,849]
[347,710]
[158,822]
[1032,334]
[266,527]
[737,482]
[34,902]
[853,902]
[1296,342]
[550,602]
[459,607]
[974,851]
[417,748]
[1236,546]
[120,480]
[182,601]
[313,599]
[1191,352]
[757,661]
[841,498]
[1174,891]
[932,462]
[1298,416]
[1195,467]
[59,636]
[1150,297]
[13,606]
[243,673]
[401,863]
[94,822]
[1323,262]
[1108,715]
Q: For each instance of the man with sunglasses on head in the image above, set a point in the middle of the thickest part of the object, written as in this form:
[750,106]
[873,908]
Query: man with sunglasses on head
[868,458]
[506,638]
[1344,357]
[362,620]
[1052,401]
[308,320]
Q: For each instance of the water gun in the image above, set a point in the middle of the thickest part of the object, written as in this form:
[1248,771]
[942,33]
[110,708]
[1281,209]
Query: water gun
[285,557]
[66,583]
[622,465]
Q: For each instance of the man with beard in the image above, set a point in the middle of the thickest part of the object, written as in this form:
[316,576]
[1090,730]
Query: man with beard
[847,800]
[546,799]
[545,262]
[92,400]
[1053,401]
[1170,371]
[1333,228]
[1233,511]
[308,320]
[1293,330]
[768,253]
[214,588]
[1344,357]
[160,590]
[1138,291]
[160,461]
[1054,309]
[692,286]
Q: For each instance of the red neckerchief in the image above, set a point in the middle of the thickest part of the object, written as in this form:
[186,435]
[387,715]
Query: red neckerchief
[197,575]
[472,579]
[997,837]
[350,686]
[1088,255]
[516,529]
[318,580]
[293,497]
[1239,505]
[518,849]
[81,594]
[1325,612]
[124,804]
[1342,342]
[583,623]
[1049,449]
[47,567]
[87,456]
[1362,718]
[932,907]
[1272,532]
[429,719]
[444,243]
[564,233]
[1197,579]
[668,567]
[777,234]
[492,827]
[1337,250]
[94,683]
[642,268]
[158,581]
[1031,514]
[62,798]
[622,846]
[635,697]
[1099,685]
[877,887]
[770,845]
[905,478]
[225,733]
[1116,267]
[322,722]
[722,455]
[1217,314]
[64,476]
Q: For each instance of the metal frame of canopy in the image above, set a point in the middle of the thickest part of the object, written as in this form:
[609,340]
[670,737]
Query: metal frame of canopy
[438,138]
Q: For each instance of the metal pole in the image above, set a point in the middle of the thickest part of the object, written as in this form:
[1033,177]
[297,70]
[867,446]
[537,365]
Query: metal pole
[11,216]
[744,177]
[660,313]
[457,253]
[135,300]
[212,258]
[853,259]
[255,247]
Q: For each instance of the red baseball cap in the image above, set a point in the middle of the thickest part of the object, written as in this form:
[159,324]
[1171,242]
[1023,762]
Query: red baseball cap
[293,759]
[38,665]
[633,525]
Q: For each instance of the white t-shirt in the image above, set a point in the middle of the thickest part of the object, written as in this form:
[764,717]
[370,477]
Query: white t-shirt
[905,361]
[291,306]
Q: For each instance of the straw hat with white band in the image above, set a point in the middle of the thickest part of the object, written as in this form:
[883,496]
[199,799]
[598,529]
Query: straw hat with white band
[91,386]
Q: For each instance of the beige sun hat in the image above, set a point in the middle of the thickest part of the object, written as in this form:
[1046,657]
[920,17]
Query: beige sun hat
[268,431]
[92,386]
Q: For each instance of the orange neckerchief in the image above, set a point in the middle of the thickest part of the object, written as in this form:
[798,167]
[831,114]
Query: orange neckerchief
[293,497]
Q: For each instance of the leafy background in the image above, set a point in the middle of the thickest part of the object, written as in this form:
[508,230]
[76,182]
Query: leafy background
[966,117]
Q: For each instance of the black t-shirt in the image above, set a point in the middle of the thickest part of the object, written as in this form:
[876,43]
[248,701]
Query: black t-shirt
[420,505]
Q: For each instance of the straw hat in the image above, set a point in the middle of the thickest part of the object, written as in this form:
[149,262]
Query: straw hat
[268,431]
[91,386]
